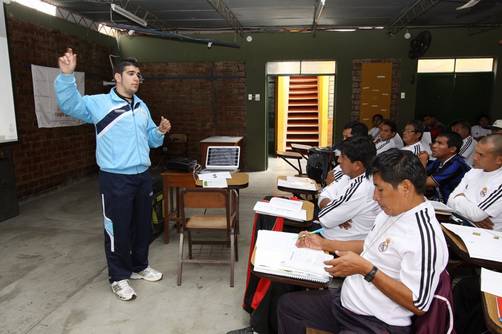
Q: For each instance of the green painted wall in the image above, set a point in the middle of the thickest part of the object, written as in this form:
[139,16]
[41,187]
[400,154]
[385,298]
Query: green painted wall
[342,47]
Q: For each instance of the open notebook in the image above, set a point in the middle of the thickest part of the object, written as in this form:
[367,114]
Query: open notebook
[281,207]
[276,254]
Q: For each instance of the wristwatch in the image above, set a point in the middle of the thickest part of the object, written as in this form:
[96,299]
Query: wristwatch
[371,275]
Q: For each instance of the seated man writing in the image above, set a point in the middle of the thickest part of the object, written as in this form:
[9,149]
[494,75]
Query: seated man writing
[391,275]
[445,173]
[478,197]
[347,202]
[347,209]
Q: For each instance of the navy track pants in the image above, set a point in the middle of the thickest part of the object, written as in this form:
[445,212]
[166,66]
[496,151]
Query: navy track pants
[127,211]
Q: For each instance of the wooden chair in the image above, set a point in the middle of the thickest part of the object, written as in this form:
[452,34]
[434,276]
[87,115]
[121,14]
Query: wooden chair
[205,198]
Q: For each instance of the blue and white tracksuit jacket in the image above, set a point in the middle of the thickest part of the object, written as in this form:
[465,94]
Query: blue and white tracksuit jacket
[123,138]
[124,134]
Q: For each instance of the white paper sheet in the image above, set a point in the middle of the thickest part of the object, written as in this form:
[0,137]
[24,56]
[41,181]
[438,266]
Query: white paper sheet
[214,176]
[281,207]
[481,243]
[276,253]
[294,182]
[215,183]
[441,207]
[491,282]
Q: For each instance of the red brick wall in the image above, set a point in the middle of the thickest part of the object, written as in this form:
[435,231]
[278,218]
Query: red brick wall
[47,157]
[200,99]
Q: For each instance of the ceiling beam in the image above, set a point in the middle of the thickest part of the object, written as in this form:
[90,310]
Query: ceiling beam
[318,8]
[410,13]
[221,7]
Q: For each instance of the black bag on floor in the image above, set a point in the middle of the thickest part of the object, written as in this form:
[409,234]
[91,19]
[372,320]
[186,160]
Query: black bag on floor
[319,163]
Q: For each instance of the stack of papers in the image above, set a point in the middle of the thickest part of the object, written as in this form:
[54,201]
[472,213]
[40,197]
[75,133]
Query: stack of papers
[294,182]
[277,254]
[281,207]
[480,243]
[491,282]
[214,180]
[441,208]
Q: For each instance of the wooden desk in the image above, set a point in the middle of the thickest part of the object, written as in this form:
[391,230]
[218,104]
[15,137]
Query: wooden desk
[218,141]
[459,248]
[172,181]
[296,191]
[286,155]
[302,149]
[490,311]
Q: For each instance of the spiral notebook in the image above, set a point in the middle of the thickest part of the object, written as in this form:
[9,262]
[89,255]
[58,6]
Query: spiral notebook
[276,254]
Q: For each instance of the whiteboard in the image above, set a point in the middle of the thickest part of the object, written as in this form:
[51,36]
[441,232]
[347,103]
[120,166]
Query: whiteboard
[8,130]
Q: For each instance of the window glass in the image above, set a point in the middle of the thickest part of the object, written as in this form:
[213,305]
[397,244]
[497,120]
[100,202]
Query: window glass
[436,65]
[474,65]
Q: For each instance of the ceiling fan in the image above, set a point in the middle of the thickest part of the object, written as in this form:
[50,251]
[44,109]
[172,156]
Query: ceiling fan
[468,4]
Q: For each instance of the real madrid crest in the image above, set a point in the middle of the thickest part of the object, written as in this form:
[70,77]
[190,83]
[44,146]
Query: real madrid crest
[384,245]
[483,192]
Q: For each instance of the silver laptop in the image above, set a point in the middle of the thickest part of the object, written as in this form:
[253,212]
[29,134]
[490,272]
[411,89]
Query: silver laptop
[222,158]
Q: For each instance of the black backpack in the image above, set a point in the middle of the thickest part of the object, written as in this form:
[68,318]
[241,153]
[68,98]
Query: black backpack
[319,163]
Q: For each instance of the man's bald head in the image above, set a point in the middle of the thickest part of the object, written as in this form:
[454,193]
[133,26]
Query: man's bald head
[488,153]
[495,141]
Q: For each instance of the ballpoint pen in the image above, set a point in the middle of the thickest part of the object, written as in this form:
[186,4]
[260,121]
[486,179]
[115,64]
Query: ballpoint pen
[318,231]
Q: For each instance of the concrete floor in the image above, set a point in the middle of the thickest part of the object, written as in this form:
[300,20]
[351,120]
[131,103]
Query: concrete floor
[53,276]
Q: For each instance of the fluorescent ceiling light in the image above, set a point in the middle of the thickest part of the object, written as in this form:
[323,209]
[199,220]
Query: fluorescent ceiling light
[365,28]
[343,30]
[318,10]
[128,15]
[39,5]
[469,4]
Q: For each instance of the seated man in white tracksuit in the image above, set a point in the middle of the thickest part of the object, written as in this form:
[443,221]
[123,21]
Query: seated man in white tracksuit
[347,209]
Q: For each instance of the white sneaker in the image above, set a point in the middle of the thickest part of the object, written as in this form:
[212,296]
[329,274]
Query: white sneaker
[148,274]
[123,290]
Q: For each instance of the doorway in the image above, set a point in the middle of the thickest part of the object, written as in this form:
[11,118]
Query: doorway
[300,104]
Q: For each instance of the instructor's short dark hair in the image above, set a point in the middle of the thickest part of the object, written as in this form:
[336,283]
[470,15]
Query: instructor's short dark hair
[359,148]
[394,166]
[119,68]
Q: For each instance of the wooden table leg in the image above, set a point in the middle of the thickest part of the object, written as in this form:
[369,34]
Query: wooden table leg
[167,213]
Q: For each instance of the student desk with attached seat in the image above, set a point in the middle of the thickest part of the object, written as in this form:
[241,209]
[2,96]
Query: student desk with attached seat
[299,191]
[173,181]
[488,300]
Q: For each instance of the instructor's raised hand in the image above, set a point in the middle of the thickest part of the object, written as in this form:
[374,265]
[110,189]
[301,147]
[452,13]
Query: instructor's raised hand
[68,62]
[164,125]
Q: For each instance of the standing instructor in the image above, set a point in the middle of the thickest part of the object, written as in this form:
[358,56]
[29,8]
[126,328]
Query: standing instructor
[124,134]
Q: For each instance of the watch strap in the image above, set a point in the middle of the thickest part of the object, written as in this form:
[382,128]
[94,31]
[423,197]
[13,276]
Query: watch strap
[371,275]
